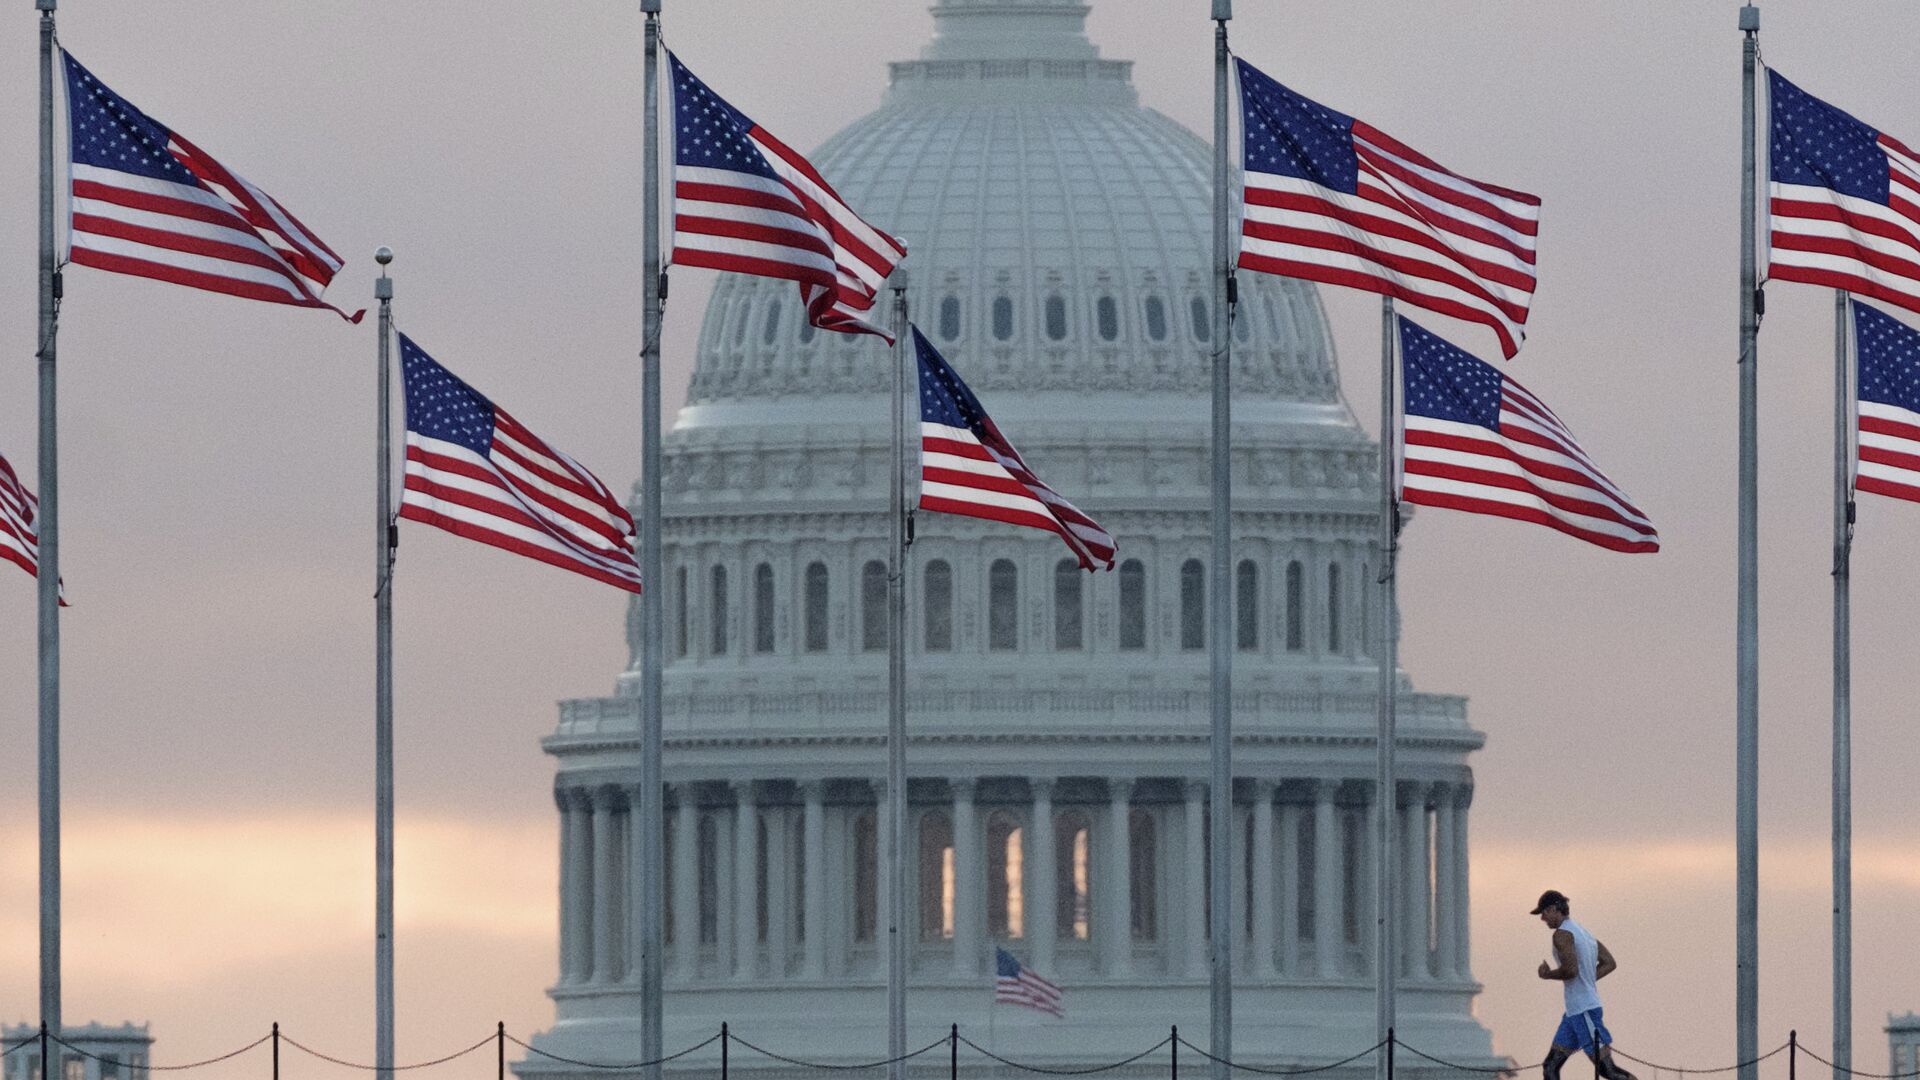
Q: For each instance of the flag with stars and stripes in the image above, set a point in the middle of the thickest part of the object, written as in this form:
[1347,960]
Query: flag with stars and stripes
[968,467]
[146,202]
[20,525]
[1844,200]
[1473,439]
[745,202]
[474,471]
[1016,984]
[1332,199]
[1888,395]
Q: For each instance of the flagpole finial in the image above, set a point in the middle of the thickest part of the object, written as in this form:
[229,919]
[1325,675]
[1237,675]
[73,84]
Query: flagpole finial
[650,7]
[1222,10]
[1750,19]
[46,5]
[383,255]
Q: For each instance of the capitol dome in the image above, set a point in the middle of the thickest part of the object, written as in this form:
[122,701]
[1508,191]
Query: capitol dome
[1059,239]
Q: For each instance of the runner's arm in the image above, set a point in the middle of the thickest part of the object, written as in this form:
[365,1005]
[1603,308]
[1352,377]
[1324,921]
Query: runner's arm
[1565,965]
[1605,966]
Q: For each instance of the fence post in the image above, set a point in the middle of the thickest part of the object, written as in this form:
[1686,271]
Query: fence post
[953,1053]
[500,1053]
[723,1050]
[276,1050]
[1793,1053]
[1173,1042]
[1390,1041]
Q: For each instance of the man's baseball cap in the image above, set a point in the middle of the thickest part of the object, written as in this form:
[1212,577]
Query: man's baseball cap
[1553,898]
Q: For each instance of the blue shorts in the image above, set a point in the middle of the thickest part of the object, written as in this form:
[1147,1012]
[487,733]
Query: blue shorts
[1583,1032]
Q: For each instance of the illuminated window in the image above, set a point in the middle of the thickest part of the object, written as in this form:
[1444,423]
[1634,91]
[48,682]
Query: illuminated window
[936,876]
[1006,906]
[1072,865]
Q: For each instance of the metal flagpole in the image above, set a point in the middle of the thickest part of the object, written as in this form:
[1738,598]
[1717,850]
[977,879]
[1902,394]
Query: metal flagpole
[1843,413]
[1385,959]
[386,536]
[897,692]
[49,574]
[650,815]
[1747,650]
[1219,600]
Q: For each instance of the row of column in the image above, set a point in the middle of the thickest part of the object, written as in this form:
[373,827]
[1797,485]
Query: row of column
[599,886]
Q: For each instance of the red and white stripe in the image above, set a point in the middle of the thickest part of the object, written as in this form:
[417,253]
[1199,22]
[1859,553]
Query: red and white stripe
[1414,231]
[1889,451]
[1819,236]
[1532,469]
[523,496]
[20,525]
[796,228]
[961,475]
[1029,990]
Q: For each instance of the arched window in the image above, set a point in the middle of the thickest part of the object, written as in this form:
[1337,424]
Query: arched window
[1202,325]
[1242,323]
[1246,606]
[1066,605]
[1003,318]
[708,859]
[1333,607]
[1006,863]
[1106,317]
[1156,318]
[1056,317]
[873,606]
[816,607]
[1133,604]
[740,327]
[806,329]
[1193,605]
[1296,607]
[1365,585]
[772,329]
[680,639]
[950,318]
[936,876]
[717,621]
[1142,891]
[937,605]
[1073,868]
[763,608]
[866,875]
[1003,605]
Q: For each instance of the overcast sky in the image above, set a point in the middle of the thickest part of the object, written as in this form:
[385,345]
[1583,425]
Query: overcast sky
[217,498]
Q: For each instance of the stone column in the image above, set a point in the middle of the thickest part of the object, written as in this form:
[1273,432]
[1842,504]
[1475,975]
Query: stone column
[1116,952]
[814,902]
[1415,885]
[606,886]
[1041,900]
[723,895]
[883,878]
[1329,933]
[746,881]
[1288,891]
[1199,949]
[575,880]
[1263,879]
[968,886]
[686,884]
[1462,908]
[779,889]
[1445,875]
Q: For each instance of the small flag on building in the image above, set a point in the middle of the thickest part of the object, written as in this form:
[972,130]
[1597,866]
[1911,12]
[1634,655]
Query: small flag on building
[1332,199]
[967,467]
[1475,440]
[1017,985]
[1888,353]
[1844,200]
[147,202]
[20,525]
[746,202]
[476,472]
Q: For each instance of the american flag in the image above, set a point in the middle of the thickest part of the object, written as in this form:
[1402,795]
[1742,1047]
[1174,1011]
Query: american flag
[20,525]
[1888,353]
[1475,440]
[1018,985]
[1845,200]
[476,472]
[744,201]
[149,203]
[1332,199]
[967,467]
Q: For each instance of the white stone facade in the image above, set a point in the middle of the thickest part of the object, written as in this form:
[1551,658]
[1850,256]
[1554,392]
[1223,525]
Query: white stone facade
[1058,751]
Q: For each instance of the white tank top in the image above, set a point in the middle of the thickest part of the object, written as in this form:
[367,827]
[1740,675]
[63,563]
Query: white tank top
[1582,994]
